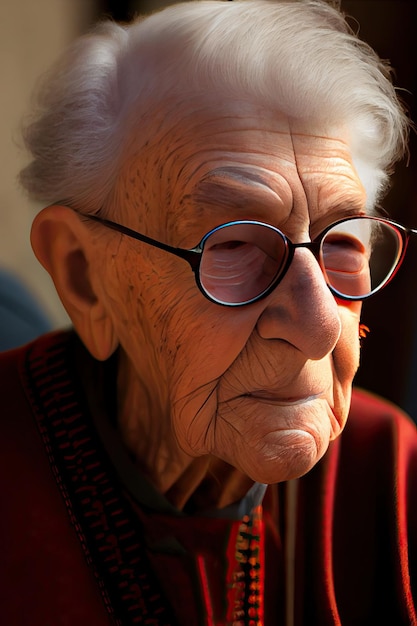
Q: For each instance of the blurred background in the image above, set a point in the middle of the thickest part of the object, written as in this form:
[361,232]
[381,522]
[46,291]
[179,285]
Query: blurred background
[32,34]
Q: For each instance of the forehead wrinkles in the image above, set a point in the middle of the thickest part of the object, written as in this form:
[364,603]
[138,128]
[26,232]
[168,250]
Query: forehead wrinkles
[185,155]
[326,171]
[192,133]
[193,139]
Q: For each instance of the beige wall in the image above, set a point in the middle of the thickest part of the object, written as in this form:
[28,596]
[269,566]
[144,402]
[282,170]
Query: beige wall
[32,33]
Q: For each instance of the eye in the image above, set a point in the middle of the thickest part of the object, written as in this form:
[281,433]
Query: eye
[240,261]
[342,252]
[346,264]
[230,258]
[227,245]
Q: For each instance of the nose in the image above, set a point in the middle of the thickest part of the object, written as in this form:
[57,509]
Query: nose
[301,310]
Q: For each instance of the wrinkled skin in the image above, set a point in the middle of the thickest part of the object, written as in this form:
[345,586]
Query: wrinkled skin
[263,388]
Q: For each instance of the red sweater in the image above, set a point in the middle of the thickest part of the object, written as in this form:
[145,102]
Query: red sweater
[79,550]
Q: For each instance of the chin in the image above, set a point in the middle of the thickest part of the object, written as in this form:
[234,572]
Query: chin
[293,454]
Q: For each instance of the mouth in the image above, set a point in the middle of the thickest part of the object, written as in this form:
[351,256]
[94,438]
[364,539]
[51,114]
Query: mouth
[269,397]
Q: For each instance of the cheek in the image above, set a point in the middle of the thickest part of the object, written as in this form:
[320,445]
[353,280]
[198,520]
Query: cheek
[129,293]
[208,339]
[347,351]
[200,350]
[346,360]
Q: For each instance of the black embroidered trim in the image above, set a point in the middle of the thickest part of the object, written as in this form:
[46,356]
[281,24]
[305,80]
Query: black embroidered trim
[103,519]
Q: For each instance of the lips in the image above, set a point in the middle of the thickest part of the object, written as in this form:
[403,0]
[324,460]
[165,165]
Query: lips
[272,398]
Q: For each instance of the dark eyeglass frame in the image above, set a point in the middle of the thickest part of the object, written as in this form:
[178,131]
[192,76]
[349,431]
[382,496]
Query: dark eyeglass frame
[194,255]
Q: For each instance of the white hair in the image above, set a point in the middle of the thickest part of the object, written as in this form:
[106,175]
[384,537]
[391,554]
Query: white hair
[299,56]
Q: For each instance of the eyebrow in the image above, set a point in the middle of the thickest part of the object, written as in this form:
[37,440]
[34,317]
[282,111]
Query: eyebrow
[234,188]
[244,192]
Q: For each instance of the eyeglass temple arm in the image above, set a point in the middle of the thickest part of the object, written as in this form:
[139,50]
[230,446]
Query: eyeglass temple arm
[193,257]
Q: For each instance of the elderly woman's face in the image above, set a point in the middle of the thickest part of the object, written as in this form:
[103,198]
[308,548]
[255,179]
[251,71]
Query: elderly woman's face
[265,386]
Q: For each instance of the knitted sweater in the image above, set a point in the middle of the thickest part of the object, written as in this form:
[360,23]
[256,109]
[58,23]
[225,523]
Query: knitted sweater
[81,546]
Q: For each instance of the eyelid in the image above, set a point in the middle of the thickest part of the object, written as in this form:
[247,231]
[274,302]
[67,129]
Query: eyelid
[319,226]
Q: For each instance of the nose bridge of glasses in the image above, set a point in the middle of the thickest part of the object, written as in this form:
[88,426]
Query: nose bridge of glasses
[313,246]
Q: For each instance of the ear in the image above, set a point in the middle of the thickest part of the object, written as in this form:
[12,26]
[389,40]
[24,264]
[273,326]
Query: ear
[63,245]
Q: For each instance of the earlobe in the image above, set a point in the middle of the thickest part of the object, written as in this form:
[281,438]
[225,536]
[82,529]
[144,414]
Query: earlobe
[63,245]
[99,337]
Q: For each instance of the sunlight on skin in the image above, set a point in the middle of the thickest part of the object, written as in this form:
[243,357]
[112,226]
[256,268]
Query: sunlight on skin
[265,387]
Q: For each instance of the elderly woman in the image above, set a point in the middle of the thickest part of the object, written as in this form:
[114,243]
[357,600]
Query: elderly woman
[211,175]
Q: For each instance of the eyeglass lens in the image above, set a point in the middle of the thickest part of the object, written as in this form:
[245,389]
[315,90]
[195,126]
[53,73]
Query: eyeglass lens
[240,262]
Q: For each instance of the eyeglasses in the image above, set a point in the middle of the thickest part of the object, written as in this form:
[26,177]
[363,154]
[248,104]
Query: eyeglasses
[240,262]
